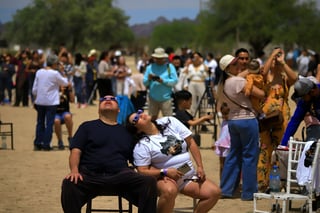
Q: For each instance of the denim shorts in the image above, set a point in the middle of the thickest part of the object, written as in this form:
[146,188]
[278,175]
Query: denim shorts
[60,116]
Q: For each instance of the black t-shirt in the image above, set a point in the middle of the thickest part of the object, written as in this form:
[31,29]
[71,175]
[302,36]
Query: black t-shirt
[105,148]
[184,116]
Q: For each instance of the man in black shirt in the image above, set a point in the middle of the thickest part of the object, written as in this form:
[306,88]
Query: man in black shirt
[100,151]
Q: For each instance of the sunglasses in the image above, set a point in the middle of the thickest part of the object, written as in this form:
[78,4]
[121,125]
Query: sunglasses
[108,98]
[193,179]
[137,116]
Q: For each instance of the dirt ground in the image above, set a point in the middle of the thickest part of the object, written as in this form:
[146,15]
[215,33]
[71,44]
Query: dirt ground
[30,181]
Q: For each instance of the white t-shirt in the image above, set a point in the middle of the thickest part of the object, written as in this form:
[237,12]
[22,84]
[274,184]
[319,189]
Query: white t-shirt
[164,151]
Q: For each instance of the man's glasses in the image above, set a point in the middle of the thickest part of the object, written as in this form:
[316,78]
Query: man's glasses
[108,98]
[137,116]
[244,58]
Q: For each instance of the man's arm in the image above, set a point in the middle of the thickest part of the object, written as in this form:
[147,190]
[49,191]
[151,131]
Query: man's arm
[294,122]
[74,160]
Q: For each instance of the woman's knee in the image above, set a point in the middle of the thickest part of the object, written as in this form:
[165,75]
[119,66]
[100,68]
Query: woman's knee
[168,191]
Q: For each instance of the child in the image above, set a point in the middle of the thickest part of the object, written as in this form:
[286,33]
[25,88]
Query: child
[254,78]
[184,101]
[222,145]
[63,115]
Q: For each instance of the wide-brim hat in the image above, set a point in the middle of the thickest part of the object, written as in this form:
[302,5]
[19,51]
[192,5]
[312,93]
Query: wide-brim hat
[92,52]
[227,60]
[159,53]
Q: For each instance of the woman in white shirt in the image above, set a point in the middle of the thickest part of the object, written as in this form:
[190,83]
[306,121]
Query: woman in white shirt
[162,151]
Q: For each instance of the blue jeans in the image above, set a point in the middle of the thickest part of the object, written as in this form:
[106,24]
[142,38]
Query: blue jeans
[44,128]
[242,159]
[79,89]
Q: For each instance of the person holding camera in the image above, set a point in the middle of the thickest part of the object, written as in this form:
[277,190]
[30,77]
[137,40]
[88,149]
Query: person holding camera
[160,77]
[278,77]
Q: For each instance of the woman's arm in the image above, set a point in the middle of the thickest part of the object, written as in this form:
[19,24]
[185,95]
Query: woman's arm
[292,75]
[158,173]
[195,152]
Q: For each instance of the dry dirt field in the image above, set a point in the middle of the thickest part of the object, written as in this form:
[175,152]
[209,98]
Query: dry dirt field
[30,182]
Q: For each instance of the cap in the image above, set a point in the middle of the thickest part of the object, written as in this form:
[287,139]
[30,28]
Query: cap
[92,52]
[159,53]
[254,66]
[302,87]
[226,61]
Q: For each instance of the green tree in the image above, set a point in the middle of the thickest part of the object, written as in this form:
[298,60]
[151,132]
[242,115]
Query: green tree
[259,22]
[174,34]
[84,23]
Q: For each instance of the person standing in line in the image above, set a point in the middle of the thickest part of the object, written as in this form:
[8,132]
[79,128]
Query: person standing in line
[243,129]
[80,70]
[104,75]
[243,58]
[278,79]
[6,73]
[160,77]
[46,91]
[100,151]
[22,84]
[197,72]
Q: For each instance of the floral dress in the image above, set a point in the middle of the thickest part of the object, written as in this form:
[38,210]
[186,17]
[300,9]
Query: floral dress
[277,99]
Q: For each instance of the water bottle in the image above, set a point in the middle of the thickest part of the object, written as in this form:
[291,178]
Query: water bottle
[3,142]
[275,182]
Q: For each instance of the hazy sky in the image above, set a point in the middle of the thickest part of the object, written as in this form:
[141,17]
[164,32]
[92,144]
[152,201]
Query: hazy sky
[140,11]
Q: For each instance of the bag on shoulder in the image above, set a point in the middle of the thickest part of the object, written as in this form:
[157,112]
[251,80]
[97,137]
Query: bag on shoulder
[197,139]
[274,118]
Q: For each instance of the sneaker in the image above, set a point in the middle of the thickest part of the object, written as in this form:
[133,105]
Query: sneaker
[37,147]
[60,145]
[46,148]
[69,140]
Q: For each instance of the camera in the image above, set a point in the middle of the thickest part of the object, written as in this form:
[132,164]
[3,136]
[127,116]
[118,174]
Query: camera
[279,54]
[155,78]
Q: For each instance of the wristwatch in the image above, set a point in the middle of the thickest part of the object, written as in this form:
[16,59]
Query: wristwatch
[162,173]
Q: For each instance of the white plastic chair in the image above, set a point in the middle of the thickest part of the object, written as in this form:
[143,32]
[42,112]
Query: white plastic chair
[296,149]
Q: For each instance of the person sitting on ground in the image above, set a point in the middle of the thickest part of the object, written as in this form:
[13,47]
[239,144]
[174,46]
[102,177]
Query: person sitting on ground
[63,115]
[184,101]
[161,151]
[254,78]
[100,151]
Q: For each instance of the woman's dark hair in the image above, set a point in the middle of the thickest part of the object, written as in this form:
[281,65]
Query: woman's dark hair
[198,53]
[78,58]
[133,130]
[103,55]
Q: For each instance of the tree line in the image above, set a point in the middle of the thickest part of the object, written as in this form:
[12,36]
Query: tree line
[84,24]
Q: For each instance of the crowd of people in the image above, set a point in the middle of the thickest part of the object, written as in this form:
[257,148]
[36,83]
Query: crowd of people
[246,90]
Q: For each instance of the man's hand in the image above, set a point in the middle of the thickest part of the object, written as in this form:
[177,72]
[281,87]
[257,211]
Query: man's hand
[74,177]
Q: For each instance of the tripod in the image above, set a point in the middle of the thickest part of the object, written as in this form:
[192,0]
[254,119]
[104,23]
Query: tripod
[95,86]
[206,105]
